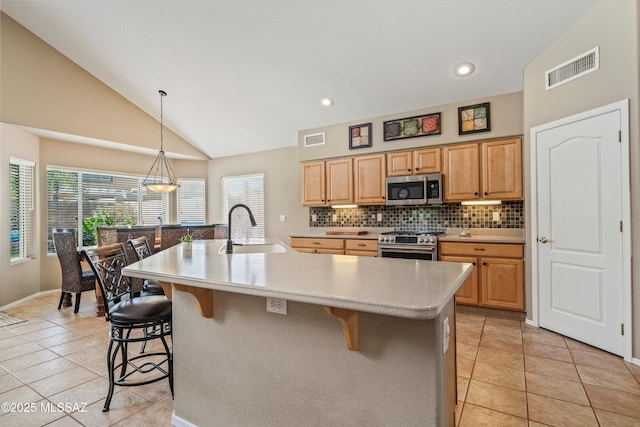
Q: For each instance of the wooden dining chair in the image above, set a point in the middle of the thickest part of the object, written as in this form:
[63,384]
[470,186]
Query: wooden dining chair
[74,280]
[132,320]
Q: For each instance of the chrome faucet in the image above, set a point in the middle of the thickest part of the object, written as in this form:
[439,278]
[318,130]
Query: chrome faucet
[251,218]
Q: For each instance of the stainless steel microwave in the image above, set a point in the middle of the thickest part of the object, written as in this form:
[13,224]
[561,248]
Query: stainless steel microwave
[414,190]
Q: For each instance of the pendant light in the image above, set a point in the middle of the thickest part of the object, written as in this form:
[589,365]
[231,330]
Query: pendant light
[155,179]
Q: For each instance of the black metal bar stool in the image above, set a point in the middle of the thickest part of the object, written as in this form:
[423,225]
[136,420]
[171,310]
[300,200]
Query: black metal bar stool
[132,320]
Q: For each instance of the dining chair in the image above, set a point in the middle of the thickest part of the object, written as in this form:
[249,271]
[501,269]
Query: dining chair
[74,280]
[132,320]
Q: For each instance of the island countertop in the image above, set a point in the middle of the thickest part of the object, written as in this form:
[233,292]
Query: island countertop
[396,287]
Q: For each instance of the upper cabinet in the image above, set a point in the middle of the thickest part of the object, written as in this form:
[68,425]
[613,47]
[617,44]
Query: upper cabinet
[327,182]
[425,160]
[369,179]
[490,170]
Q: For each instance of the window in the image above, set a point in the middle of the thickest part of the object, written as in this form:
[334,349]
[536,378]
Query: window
[86,200]
[22,211]
[191,201]
[247,189]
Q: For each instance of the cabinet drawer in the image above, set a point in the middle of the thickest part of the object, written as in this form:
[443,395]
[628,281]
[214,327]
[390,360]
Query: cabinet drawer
[361,245]
[506,250]
[304,242]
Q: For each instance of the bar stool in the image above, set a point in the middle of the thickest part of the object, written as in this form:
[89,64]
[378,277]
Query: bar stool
[141,248]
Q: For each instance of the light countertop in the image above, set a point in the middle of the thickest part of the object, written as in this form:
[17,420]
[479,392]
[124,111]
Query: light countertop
[395,287]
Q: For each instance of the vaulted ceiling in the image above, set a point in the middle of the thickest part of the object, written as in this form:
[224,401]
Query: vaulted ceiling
[246,75]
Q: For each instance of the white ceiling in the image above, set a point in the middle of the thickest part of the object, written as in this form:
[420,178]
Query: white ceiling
[246,75]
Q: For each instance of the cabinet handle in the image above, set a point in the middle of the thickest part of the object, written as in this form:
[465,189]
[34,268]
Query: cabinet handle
[484,263]
[316,243]
[417,169]
[473,263]
[409,170]
[383,197]
[478,249]
[486,194]
[475,194]
[361,244]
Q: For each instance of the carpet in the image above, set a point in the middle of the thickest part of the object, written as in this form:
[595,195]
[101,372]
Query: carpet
[7,319]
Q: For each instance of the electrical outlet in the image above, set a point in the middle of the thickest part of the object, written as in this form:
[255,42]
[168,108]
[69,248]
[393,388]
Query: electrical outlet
[496,216]
[314,217]
[276,305]
[283,218]
[334,217]
[379,217]
[446,332]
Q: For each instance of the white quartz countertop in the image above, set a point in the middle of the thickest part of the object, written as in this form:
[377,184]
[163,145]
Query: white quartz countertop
[368,236]
[396,287]
[481,238]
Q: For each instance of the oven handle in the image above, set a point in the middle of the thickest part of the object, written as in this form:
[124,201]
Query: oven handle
[407,249]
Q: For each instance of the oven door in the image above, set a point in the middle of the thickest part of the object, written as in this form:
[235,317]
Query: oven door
[427,253]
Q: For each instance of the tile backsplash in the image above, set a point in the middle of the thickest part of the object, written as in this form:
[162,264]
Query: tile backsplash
[421,217]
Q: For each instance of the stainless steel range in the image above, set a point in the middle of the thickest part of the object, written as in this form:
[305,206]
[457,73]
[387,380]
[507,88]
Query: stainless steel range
[409,244]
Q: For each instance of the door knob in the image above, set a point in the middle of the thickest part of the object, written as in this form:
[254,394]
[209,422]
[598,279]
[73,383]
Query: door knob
[543,240]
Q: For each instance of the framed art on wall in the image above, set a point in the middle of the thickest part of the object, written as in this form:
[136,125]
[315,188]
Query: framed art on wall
[474,118]
[412,127]
[360,136]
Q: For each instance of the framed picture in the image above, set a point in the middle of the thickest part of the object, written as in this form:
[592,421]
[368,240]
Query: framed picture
[474,118]
[412,127]
[360,136]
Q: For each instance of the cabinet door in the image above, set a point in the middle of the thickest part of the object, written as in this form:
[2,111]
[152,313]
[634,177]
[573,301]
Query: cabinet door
[461,172]
[399,163]
[340,181]
[502,169]
[502,283]
[370,180]
[313,184]
[468,292]
[427,160]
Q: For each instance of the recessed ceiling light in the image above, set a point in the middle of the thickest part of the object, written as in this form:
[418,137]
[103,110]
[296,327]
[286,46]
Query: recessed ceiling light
[463,70]
[327,102]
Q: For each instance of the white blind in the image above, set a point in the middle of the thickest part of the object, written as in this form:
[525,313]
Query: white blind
[85,200]
[22,209]
[191,201]
[249,190]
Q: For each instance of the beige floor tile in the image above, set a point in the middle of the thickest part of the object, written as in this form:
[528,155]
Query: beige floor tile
[509,359]
[467,338]
[502,342]
[609,419]
[463,385]
[577,345]
[154,392]
[599,359]
[31,326]
[31,359]
[556,388]
[537,424]
[97,352]
[45,332]
[476,416]
[17,351]
[499,375]
[542,336]
[498,398]
[9,382]
[44,370]
[62,381]
[123,405]
[465,367]
[21,394]
[13,340]
[467,351]
[56,340]
[611,379]
[168,403]
[86,393]
[66,421]
[74,346]
[613,400]
[154,415]
[547,351]
[559,413]
[37,415]
[553,368]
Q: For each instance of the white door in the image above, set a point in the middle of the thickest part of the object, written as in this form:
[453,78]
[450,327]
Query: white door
[579,229]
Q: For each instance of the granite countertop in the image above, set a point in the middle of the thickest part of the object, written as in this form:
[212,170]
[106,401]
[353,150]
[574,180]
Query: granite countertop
[395,287]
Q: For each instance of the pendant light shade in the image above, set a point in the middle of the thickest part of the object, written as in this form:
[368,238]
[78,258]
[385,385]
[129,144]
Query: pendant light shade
[160,177]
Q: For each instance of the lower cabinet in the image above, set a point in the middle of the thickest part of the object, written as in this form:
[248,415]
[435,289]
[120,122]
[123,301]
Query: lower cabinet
[361,247]
[497,279]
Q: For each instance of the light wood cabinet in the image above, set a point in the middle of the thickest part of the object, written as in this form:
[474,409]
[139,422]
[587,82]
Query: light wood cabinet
[489,170]
[498,277]
[361,247]
[425,160]
[327,183]
[369,179]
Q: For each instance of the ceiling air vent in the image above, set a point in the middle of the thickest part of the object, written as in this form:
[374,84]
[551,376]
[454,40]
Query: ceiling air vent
[572,69]
[314,139]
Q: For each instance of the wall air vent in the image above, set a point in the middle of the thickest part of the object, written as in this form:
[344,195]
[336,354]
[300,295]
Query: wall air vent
[314,139]
[572,69]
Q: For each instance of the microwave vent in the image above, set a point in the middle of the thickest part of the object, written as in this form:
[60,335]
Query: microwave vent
[314,139]
[572,69]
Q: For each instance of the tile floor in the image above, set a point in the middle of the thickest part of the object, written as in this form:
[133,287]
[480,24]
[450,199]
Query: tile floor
[509,374]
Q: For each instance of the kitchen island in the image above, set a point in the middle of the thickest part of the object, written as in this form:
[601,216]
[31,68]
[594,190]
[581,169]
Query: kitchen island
[365,341]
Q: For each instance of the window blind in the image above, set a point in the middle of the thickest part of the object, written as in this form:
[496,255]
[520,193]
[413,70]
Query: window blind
[86,200]
[191,201]
[249,190]
[21,209]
